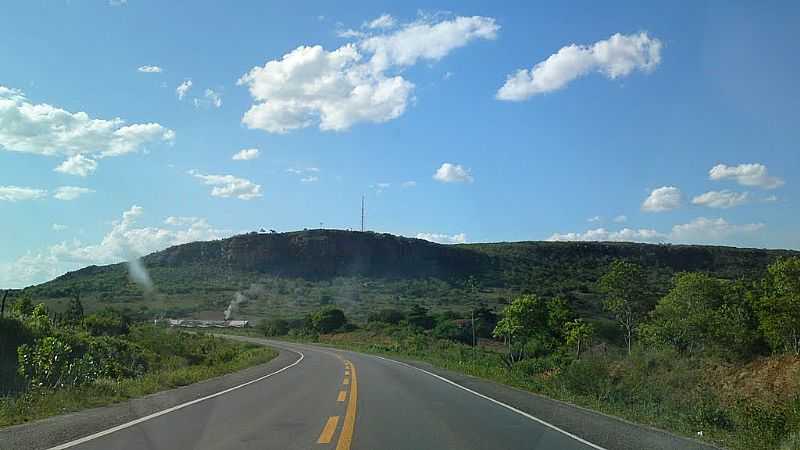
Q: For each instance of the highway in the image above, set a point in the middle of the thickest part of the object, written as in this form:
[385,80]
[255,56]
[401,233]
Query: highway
[321,398]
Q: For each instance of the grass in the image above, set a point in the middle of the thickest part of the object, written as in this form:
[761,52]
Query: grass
[38,404]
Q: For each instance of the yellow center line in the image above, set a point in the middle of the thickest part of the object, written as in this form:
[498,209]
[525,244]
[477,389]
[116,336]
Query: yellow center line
[346,435]
[342,396]
[328,430]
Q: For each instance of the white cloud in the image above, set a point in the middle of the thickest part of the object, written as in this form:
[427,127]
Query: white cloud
[699,231]
[621,218]
[452,173]
[17,193]
[229,186]
[303,170]
[382,22]
[721,199]
[746,175]
[180,220]
[117,2]
[47,130]
[595,219]
[58,227]
[309,179]
[123,242]
[340,88]
[183,89]
[408,184]
[704,230]
[665,198]
[70,192]
[246,154]
[212,97]
[601,234]
[350,33]
[617,56]
[459,238]
[770,199]
[425,40]
[77,165]
[150,69]
[447,75]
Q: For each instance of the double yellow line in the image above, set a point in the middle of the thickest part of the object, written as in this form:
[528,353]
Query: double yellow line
[348,427]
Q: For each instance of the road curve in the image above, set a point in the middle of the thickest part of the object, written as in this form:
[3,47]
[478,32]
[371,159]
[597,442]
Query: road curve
[321,398]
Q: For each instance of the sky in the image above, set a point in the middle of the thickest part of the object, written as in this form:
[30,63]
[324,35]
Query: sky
[130,126]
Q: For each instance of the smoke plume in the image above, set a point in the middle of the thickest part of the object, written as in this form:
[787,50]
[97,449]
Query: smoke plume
[139,274]
[238,299]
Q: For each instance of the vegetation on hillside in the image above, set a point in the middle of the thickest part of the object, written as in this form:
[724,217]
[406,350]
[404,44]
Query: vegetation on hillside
[51,363]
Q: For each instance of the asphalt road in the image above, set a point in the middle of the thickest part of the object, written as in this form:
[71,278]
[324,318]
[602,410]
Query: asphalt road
[319,398]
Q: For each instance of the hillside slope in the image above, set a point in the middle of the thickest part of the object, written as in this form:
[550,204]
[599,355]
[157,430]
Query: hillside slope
[288,274]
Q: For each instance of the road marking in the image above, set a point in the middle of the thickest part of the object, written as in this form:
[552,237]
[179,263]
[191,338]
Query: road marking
[346,381]
[174,408]
[342,396]
[497,402]
[328,430]
[346,436]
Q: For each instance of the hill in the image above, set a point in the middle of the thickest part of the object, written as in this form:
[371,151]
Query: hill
[288,274]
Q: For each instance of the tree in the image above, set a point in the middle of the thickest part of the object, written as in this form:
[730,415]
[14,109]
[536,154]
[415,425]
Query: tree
[388,315]
[624,287]
[274,327]
[22,307]
[578,334]
[418,316]
[778,308]
[74,312]
[327,320]
[522,319]
[701,313]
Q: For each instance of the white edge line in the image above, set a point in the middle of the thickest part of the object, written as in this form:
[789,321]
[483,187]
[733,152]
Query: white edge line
[172,409]
[504,405]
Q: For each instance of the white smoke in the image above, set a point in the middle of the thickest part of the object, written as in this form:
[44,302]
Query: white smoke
[139,274]
[238,299]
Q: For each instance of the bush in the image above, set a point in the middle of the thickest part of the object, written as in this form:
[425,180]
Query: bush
[327,320]
[588,376]
[452,331]
[274,327]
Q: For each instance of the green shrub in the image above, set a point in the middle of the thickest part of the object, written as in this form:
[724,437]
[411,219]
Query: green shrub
[588,376]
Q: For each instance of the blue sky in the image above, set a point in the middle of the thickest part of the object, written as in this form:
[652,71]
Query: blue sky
[459,121]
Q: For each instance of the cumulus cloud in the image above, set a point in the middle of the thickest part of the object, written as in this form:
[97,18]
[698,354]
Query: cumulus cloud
[183,89]
[125,240]
[601,234]
[352,84]
[595,219]
[47,130]
[381,22]
[746,175]
[70,192]
[615,57]
[229,186]
[59,227]
[621,218]
[77,165]
[246,154]
[408,184]
[459,238]
[18,193]
[702,230]
[699,231]
[453,173]
[721,199]
[150,69]
[210,98]
[665,198]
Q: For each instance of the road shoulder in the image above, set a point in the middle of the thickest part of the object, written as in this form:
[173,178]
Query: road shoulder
[55,430]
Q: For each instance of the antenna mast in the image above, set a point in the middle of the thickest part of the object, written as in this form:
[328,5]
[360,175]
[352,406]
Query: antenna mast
[362,213]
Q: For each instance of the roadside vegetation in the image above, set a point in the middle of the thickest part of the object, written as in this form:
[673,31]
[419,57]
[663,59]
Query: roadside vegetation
[53,363]
[714,359]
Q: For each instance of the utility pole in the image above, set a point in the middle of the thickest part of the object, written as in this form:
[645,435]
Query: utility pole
[362,213]
[3,306]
